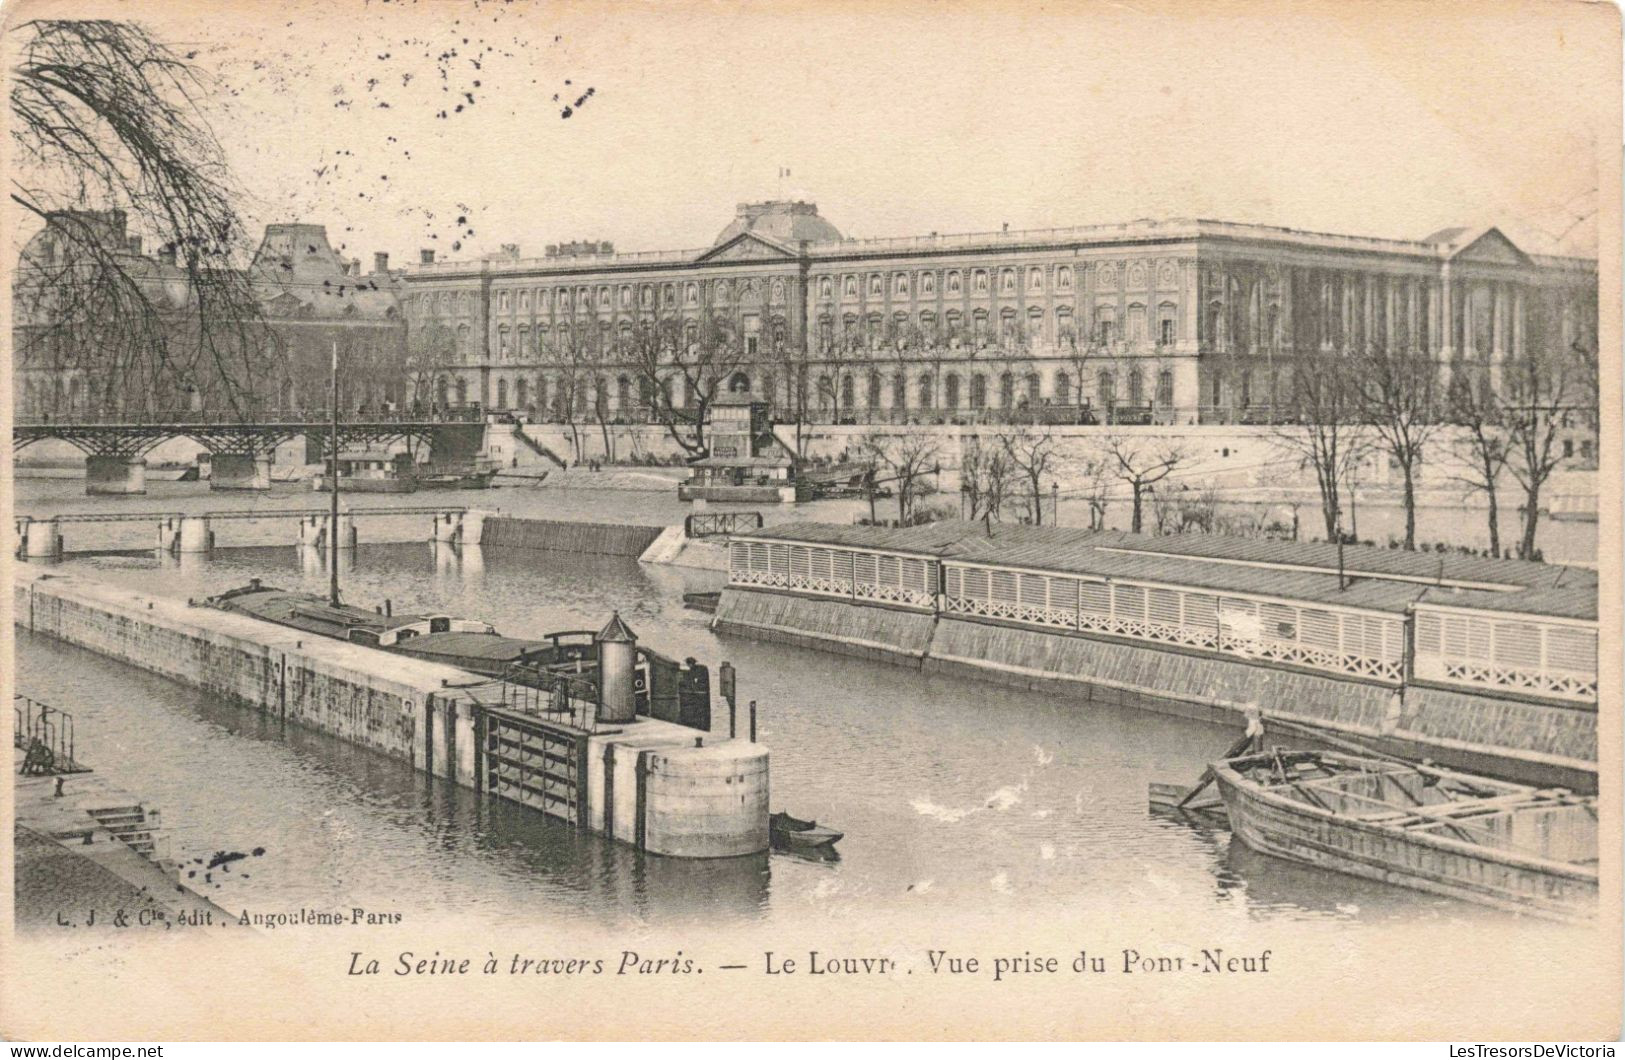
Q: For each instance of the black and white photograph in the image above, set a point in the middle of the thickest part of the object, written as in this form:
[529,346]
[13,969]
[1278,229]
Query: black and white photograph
[585,520]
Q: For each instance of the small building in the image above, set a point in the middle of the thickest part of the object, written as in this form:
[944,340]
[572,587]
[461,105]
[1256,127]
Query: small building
[747,463]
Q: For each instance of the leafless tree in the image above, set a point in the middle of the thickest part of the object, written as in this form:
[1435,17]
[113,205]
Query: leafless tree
[1141,464]
[1399,397]
[1031,452]
[1324,431]
[701,353]
[573,358]
[1537,396]
[110,140]
[985,476]
[907,460]
[1479,445]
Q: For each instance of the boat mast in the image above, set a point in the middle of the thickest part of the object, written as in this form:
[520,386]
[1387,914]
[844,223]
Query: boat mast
[333,484]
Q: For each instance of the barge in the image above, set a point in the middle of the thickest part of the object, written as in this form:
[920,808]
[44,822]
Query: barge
[663,688]
[1495,843]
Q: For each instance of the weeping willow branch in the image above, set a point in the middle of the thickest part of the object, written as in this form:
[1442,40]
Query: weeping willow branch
[111,141]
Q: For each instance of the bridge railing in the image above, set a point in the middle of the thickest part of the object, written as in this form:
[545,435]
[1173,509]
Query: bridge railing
[261,417]
[713,524]
[237,513]
[45,735]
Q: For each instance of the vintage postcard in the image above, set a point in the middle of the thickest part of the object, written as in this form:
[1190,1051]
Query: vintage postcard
[805,521]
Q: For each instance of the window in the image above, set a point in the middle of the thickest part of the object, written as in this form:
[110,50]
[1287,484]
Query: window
[1007,390]
[1105,325]
[1007,282]
[928,283]
[1246,387]
[1136,323]
[981,281]
[1165,388]
[978,391]
[1035,279]
[1166,318]
[876,288]
[524,299]
[925,392]
[851,287]
[626,297]
[979,327]
[503,346]
[899,285]
[503,299]
[1106,388]
[719,291]
[953,282]
[646,296]
[874,390]
[1035,325]
[846,392]
[1063,388]
[502,393]
[826,289]
[950,396]
[1063,278]
[691,294]
[899,391]
[1136,387]
[1033,386]
[603,298]
[778,291]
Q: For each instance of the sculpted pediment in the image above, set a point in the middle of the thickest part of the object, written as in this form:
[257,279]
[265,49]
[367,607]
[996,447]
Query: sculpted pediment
[1492,248]
[748,246]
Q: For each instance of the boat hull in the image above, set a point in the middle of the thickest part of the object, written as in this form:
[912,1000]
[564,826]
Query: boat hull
[1283,828]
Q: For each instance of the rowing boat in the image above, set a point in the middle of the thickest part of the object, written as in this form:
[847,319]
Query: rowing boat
[1493,842]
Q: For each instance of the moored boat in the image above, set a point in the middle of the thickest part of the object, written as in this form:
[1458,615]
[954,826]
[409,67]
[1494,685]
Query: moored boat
[662,687]
[794,834]
[1492,842]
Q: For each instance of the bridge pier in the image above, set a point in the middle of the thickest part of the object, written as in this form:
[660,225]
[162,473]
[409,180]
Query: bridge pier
[115,475]
[240,471]
[186,534]
[460,528]
[314,531]
[42,539]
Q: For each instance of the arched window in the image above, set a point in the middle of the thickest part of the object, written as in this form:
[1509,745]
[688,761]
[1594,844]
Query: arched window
[1165,388]
[953,282]
[899,391]
[978,391]
[925,401]
[521,392]
[441,391]
[1063,278]
[1063,388]
[1007,281]
[623,393]
[1106,388]
[502,393]
[826,392]
[1033,385]
[874,390]
[1035,278]
[462,391]
[847,392]
[950,394]
[1007,390]
[1136,387]
[826,289]
[1246,387]
[541,392]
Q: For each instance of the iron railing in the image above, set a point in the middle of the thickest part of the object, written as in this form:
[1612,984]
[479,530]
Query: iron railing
[45,735]
[715,524]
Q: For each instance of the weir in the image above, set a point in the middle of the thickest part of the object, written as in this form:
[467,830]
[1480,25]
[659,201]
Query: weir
[665,788]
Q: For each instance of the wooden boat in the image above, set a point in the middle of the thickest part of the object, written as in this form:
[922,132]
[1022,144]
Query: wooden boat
[794,834]
[457,480]
[708,602]
[1493,842]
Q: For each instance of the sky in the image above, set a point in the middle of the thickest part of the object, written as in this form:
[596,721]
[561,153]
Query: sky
[1385,119]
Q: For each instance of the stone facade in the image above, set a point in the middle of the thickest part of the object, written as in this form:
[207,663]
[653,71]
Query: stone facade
[1153,321]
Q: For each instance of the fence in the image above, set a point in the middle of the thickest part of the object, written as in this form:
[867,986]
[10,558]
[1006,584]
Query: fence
[712,524]
[1366,645]
[877,577]
[46,736]
[1505,653]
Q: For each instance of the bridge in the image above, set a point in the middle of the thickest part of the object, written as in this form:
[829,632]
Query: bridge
[115,448]
[40,537]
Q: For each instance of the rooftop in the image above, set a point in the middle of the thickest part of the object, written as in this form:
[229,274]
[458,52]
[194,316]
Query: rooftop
[1377,579]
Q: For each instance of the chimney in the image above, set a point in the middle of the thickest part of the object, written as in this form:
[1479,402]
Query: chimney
[426,256]
[380,262]
[135,245]
[166,254]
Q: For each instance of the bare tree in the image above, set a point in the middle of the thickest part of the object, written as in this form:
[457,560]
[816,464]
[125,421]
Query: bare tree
[1031,452]
[1537,389]
[700,353]
[1480,445]
[110,144]
[1324,431]
[1141,465]
[1398,396]
[572,358]
[985,475]
[908,459]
